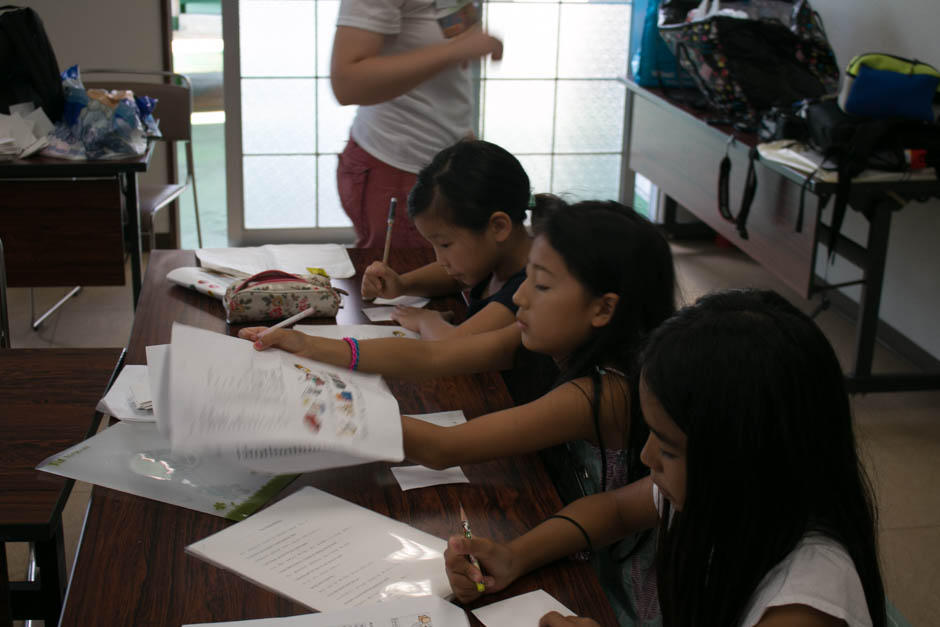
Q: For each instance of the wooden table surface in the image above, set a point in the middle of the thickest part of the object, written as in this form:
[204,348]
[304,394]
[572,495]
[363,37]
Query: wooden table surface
[131,568]
[47,404]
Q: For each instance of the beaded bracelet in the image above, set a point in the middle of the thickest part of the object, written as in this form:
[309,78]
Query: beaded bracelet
[353,352]
[574,522]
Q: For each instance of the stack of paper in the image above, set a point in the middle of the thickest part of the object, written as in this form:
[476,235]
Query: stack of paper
[293,258]
[269,410]
[23,132]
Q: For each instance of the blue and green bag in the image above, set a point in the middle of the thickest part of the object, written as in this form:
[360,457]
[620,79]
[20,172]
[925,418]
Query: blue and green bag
[880,85]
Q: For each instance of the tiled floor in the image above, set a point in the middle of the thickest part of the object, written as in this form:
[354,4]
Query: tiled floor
[900,433]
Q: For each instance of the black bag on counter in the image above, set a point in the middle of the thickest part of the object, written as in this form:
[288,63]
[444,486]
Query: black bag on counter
[29,71]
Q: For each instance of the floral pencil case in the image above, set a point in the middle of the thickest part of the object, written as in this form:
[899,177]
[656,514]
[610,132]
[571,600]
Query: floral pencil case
[274,294]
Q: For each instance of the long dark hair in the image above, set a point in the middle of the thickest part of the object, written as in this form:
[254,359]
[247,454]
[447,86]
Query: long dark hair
[770,453]
[466,183]
[608,247]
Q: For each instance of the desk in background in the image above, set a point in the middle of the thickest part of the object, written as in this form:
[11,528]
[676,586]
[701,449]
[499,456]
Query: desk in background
[131,569]
[47,404]
[673,146]
[69,222]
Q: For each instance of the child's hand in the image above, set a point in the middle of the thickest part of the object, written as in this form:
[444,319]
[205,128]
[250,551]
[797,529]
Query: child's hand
[380,281]
[495,559]
[554,619]
[419,319]
[285,339]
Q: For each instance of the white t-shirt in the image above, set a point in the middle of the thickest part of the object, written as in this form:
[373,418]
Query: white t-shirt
[406,132]
[818,573]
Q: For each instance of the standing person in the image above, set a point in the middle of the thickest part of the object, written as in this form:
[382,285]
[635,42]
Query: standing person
[414,92]
[764,513]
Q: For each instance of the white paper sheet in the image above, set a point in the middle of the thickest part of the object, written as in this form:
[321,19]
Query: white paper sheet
[203,281]
[158,375]
[408,301]
[294,258]
[358,331]
[328,553]
[135,458]
[525,609]
[806,160]
[119,401]
[418,612]
[443,418]
[275,411]
[412,477]
[378,314]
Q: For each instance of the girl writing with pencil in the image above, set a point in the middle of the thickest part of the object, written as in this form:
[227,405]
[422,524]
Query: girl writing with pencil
[599,278]
[763,512]
[470,204]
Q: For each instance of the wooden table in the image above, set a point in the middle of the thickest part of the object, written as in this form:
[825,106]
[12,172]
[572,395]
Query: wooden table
[678,150]
[47,404]
[69,222]
[131,568]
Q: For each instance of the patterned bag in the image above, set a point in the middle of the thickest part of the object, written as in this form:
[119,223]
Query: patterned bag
[749,56]
[274,294]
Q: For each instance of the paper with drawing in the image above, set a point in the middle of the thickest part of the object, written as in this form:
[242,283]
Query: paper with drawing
[328,553]
[272,410]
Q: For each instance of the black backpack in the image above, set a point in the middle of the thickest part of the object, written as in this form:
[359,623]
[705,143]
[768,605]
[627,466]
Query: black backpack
[29,71]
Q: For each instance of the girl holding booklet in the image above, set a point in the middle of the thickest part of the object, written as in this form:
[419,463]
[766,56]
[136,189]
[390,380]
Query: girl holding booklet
[763,511]
[470,204]
[599,278]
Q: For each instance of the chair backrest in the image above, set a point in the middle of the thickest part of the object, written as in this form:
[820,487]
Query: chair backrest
[174,101]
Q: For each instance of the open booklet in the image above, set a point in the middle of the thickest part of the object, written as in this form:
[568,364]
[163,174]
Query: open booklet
[269,410]
[329,554]
[418,612]
[293,258]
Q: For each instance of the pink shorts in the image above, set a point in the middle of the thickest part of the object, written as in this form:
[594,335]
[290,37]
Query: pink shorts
[366,185]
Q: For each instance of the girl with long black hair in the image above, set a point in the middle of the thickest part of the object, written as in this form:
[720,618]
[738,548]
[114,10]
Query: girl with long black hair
[764,512]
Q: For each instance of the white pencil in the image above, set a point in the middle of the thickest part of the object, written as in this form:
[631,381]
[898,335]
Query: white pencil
[283,323]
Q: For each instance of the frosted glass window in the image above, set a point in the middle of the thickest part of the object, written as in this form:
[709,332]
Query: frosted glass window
[275,38]
[518,115]
[278,116]
[530,35]
[589,116]
[587,177]
[539,169]
[333,121]
[329,211]
[280,192]
[594,40]
[327,11]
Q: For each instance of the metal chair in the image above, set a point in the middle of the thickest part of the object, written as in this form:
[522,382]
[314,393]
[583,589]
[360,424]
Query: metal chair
[174,110]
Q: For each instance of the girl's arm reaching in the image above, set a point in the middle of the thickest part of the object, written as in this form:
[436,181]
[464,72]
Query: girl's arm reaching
[562,415]
[432,325]
[605,518]
[402,358]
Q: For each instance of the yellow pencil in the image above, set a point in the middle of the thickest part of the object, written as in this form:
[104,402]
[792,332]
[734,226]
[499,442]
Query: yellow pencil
[388,233]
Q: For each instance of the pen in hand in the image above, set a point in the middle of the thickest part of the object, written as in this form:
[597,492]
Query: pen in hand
[388,233]
[466,532]
[283,323]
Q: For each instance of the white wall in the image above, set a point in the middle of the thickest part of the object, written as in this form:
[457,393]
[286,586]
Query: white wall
[106,33]
[910,301]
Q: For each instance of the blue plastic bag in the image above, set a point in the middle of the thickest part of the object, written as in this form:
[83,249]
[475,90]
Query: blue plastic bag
[652,63]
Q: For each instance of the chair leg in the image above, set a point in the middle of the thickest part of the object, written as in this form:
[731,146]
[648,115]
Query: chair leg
[37,322]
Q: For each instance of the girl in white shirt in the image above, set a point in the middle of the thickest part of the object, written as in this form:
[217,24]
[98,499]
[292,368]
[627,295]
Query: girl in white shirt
[764,513]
